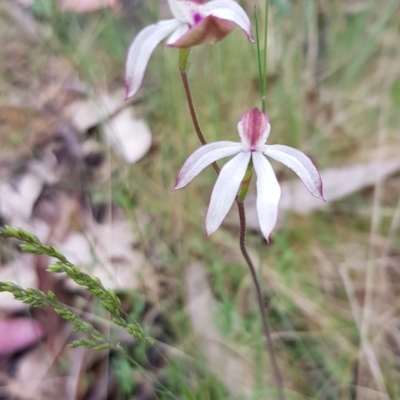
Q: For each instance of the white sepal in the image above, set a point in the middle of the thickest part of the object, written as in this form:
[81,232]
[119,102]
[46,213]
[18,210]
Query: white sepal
[300,164]
[225,190]
[203,157]
[268,194]
[140,51]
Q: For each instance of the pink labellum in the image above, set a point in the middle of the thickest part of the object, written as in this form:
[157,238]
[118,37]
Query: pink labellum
[254,125]
[209,29]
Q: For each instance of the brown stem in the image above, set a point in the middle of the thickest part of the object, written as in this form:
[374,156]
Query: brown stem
[242,217]
[263,312]
[193,114]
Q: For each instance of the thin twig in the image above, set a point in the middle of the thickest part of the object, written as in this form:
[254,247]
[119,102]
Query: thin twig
[263,312]
[242,217]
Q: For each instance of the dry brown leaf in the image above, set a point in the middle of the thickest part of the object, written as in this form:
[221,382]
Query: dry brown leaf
[131,137]
[17,199]
[35,378]
[85,114]
[21,272]
[226,361]
[18,195]
[106,251]
[338,184]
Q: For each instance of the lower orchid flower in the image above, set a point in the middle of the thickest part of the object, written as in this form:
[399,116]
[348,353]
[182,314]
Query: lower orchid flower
[194,22]
[254,130]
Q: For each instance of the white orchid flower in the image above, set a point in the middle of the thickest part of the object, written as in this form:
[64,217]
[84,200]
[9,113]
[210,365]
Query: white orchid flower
[194,22]
[254,130]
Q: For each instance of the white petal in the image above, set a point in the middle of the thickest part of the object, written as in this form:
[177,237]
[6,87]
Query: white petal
[300,164]
[179,32]
[176,7]
[268,194]
[183,10]
[225,190]
[203,157]
[230,11]
[140,51]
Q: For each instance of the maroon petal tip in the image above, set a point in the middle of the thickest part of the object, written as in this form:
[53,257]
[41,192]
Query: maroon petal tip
[127,87]
[321,191]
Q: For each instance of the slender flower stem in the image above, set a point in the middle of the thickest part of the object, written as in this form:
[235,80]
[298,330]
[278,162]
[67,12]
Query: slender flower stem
[262,56]
[191,107]
[183,60]
[263,312]
[264,83]
[260,69]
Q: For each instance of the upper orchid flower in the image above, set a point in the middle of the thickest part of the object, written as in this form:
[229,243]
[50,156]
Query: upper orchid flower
[194,22]
[254,130]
